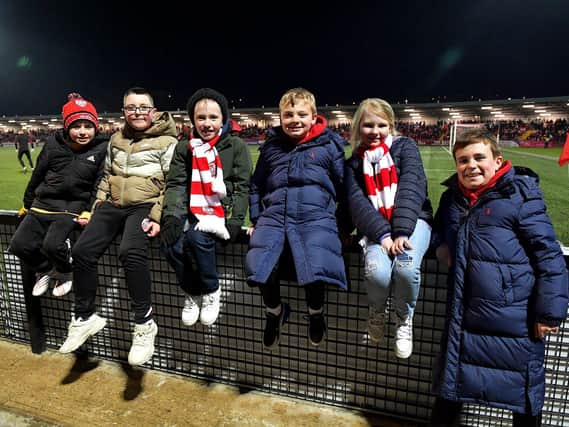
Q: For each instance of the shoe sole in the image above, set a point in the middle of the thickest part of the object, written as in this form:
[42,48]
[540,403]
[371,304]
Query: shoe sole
[132,363]
[316,344]
[374,340]
[142,362]
[400,355]
[39,294]
[210,322]
[189,323]
[97,330]
[57,293]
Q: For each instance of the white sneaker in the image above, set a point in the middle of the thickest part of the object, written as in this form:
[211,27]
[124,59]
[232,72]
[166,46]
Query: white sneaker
[191,310]
[210,308]
[42,284]
[80,330]
[142,347]
[376,325]
[63,284]
[404,338]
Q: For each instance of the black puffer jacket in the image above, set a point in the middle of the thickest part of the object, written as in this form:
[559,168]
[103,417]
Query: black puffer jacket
[64,180]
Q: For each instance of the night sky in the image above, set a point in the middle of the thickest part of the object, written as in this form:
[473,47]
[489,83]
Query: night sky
[420,51]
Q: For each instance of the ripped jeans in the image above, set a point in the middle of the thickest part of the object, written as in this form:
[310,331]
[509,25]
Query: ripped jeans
[401,275]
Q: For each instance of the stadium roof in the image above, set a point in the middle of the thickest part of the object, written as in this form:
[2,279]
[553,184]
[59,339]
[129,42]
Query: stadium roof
[551,108]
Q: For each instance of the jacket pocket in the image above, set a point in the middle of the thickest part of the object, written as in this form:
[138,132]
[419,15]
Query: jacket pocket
[507,284]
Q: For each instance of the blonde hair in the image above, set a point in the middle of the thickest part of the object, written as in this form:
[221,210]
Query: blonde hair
[376,106]
[298,94]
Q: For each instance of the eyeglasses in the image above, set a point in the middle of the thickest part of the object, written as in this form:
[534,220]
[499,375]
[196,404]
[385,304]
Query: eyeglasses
[143,109]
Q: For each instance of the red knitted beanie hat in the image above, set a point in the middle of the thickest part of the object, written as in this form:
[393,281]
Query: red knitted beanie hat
[78,109]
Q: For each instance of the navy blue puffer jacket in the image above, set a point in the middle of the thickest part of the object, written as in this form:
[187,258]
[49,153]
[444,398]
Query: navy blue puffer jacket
[411,200]
[293,197]
[507,273]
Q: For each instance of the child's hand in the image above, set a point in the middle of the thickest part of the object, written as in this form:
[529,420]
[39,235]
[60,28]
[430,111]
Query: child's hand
[399,245]
[83,219]
[542,330]
[386,244]
[151,228]
[250,231]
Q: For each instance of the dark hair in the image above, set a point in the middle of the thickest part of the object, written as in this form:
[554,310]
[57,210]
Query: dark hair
[475,136]
[138,91]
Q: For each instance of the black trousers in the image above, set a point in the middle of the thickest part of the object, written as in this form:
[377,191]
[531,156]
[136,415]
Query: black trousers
[39,241]
[105,224]
[271,290]
[28,155]
[446,413]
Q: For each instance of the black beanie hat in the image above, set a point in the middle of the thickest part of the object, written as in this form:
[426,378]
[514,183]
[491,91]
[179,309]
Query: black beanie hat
[208,93]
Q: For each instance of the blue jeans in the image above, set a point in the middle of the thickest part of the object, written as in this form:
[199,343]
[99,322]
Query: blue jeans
[401,275]
[194,247]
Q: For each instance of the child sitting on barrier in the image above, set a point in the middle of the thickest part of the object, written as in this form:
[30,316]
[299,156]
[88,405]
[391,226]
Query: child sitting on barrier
[386,188]
[292,208]
[59,196]
[507,285]
[205,201]
[129,204]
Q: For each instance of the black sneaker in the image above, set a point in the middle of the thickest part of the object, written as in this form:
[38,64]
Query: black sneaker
[273,326]
[316,328]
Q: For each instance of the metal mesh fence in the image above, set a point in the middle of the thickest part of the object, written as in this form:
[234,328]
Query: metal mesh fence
[347,370]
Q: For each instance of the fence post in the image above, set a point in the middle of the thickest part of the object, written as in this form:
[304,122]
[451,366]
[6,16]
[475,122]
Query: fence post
[33,311]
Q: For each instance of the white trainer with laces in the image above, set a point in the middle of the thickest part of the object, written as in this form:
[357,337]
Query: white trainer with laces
[376,325]
[210,307]
[80,330]
[404,338]
[191,310]
[41,285]
[142,347]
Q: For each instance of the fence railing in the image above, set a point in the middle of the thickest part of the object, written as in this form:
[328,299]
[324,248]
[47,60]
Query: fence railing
[347,370]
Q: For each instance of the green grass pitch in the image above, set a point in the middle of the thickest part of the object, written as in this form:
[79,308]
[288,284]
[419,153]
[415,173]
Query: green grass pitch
[438,163]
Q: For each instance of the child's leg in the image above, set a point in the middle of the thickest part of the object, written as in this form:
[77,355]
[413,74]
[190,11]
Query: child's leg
[133,257]
[445,413]
[276,313]
[178,257]
[377,276]
[26,242]
[202,247]
[54,245]
[407,271]
[104,225]
[315,293]
[315,301]
[271,291]
[527,420]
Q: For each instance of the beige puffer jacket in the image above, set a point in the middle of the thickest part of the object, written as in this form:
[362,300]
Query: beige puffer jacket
[137,164]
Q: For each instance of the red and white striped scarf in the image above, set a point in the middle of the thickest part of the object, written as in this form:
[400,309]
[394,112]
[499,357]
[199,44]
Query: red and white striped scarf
[380,176]
[207,188]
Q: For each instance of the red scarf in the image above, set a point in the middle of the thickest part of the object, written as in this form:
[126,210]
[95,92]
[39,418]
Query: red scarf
[473,195]
[380,176]
[207,188]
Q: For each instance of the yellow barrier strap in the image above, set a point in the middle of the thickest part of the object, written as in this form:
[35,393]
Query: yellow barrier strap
[43,211]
